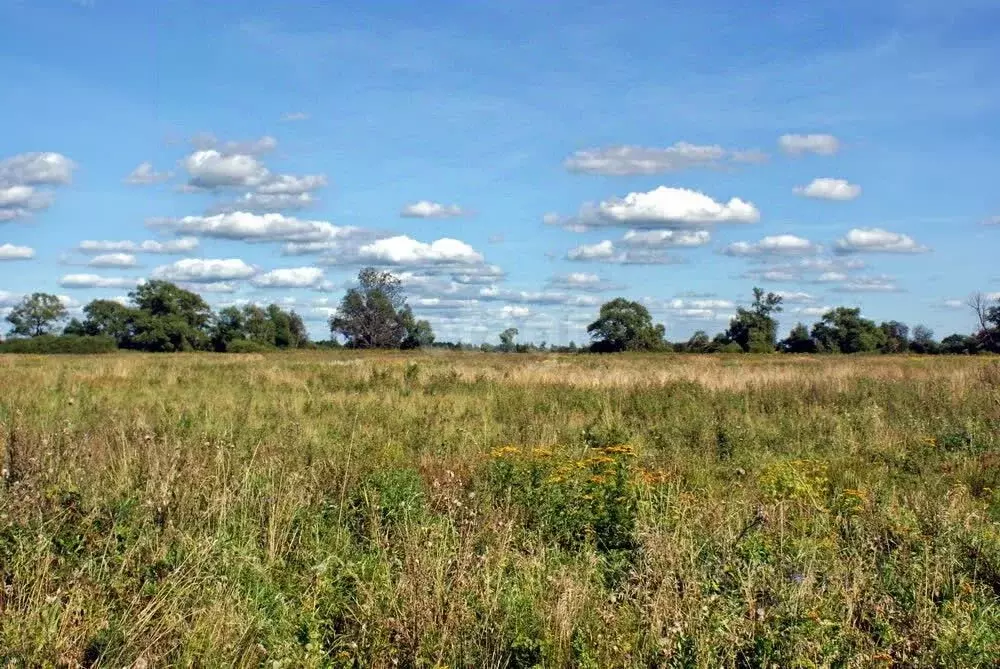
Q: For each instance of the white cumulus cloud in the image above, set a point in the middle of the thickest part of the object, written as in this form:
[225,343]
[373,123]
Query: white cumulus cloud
[606,252]
[796,297]
[511,311]
[11,252]
[36,169]
[19,176]
[819,144]
[877,240]
[207,140]
[772,245]
[172,246]
[664,238]
[403,250]
[581,281]
[97,281]
[661,207]
[204,270]
[428,209]
[288,184]
[211,169]
[251,227]
[113,260]
[630,160]
[599,251]
[290,277]
[829,189]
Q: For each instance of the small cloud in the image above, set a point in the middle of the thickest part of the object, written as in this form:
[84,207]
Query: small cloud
[606,252]
[291,117]
[870,284]
[97,281]
[257,202]
[582,281]
[751,156]
[251,227]
[822,145]
[144,174]
[11,252]
[633,160]
[291,277]
[515,312]
[661,207]
[113,260]
[253,147]
[815,312]
[829,189]
[20,177]
[169,247]
[628,160]
[771,246]
[796,297]
[876,240]
[665,238]
[403,250]
[427,209]
[202,270]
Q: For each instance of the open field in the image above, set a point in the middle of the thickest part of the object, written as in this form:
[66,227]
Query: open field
[336,509]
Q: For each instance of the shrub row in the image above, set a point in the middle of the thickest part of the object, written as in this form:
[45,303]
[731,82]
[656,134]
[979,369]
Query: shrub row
[60,344]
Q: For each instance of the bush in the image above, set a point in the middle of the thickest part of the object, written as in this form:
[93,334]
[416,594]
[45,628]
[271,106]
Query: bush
[80,345]
[247,346]
[572,502]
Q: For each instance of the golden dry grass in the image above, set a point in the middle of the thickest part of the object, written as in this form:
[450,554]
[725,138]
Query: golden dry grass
[436,509]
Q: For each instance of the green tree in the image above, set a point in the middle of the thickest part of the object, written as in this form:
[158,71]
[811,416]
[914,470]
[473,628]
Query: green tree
[419,333]
[258,325]
[110,318]
[923,340]
[623,325]
[698,343]
[897,337]
[372,315]
[960,344]
[229,326]
[35,315]
[300,336]
[169,318]
[755,329]
[798,341]
[507,338]
[843,330]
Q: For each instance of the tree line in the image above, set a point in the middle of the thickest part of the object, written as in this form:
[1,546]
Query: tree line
[163,317]
[624,325]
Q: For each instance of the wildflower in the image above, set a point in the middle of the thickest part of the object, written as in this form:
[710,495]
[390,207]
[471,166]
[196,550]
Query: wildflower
[505,451]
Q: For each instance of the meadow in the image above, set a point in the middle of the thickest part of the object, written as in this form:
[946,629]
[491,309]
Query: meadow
[316,509]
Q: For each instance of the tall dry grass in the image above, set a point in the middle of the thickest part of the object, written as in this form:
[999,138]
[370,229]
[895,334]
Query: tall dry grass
[334,509]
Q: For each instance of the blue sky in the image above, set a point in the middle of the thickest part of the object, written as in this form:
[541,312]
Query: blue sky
[516,163]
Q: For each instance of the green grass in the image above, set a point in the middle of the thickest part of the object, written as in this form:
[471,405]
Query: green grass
[335,509]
